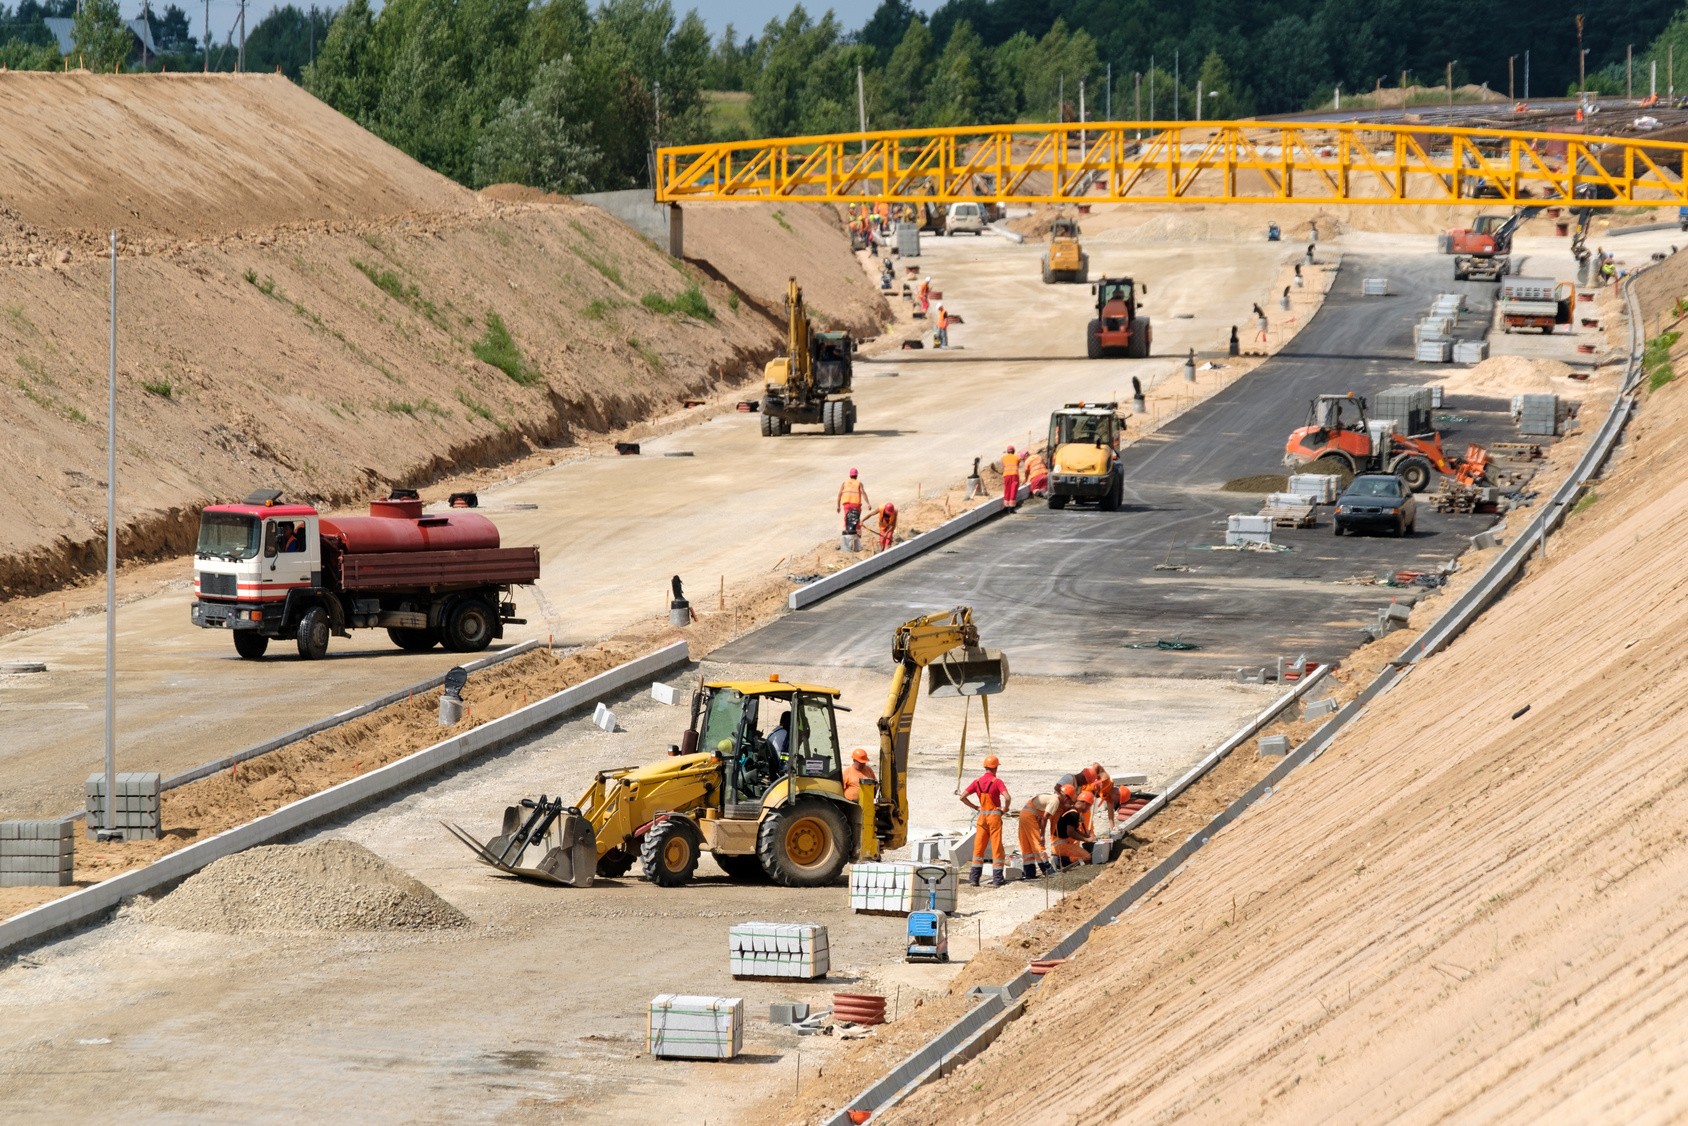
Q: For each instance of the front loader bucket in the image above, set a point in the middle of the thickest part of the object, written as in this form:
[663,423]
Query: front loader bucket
[968,672]
[541,841]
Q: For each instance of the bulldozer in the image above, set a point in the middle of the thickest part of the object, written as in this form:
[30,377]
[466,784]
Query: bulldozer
[1065,260]
[1117,328]
[1340,438]
[811,382]
[1084,455]
[729,790]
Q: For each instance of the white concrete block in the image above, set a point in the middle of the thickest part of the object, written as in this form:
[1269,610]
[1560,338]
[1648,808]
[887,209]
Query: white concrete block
[665,693]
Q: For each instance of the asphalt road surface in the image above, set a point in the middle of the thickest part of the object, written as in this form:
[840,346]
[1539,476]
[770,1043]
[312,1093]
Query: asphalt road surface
[1066,593]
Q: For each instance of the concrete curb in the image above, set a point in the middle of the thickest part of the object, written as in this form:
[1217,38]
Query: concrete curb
[908,549]
[86,905]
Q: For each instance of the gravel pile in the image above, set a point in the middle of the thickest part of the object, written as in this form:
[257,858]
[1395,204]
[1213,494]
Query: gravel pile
[331,885]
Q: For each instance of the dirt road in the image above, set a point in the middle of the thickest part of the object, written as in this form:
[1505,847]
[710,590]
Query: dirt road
[612,530]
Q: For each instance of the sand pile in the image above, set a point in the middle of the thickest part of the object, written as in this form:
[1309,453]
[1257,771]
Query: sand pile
[331,885]
[1514,375]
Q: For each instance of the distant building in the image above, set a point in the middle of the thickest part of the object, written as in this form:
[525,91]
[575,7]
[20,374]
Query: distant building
[60,26]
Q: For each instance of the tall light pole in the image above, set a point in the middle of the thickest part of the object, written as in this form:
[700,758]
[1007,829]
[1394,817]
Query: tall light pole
[1582,76]
[1526,76]
[1511,96]
[111,568]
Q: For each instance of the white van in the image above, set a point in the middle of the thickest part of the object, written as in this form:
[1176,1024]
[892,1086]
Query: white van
[969,217]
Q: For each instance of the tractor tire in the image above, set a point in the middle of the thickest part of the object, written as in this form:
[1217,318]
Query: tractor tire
[1057,502]
[414,640]
[850,416]
[1415,471]
[312,634]
[826,419]
[670,851]
[1111,499]
[469,626]
[1093,340]
[806,844]
[615,863]
[770,425]
[1083,275]
[1461,275]
[1138,348]
[250,645]
[742,869]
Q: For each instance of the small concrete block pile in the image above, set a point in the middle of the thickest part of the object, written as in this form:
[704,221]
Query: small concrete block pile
[1536,414]
[1471,351]
[136,808]
[665,693]
[681,1027]
[603,718]
[787,1012]
[894,888]
[796,950]
[1374,287]
[1245,529]
[37,854]
[1274,744]
[1322,487]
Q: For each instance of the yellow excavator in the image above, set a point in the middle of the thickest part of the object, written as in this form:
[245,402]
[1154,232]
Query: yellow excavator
[764,806]
[811,382]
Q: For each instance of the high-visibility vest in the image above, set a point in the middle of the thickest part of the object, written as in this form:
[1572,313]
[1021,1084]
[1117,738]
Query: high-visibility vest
[1010,465]
[851,493]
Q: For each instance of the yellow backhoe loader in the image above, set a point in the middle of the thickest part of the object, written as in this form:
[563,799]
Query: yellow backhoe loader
[811,382]
[762,805]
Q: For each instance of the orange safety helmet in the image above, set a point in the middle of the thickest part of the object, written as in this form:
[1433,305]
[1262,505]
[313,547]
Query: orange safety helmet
[1068,791]
[1086,798]
[858,755]
[992,762]
[1010,449]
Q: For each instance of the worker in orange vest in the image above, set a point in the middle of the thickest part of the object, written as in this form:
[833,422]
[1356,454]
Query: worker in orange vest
[887,526]
[1036,473]
[992,800]
[1010,479]
[940,335]
[856,773]
[1036,817]
[851,497]
[1071,836]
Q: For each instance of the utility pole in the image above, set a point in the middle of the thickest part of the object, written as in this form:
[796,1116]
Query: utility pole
[111,567]
[1526,76]
[1083,140]
[1061,100]
[205,46]
[1653,79]
[656,106]
[861,109]
[1450,84]
[1137,100]
[1109,108]
[1582,75]
[1510,95]
[1629,72]
[1670,69]
[146,31]
[1177,79]
[240,59]
[1151,87]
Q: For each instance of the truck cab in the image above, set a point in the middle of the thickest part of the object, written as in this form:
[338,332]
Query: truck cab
[1084,455]
[249,557]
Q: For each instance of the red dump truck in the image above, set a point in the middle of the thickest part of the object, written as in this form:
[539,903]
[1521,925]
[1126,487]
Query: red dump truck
[266,570]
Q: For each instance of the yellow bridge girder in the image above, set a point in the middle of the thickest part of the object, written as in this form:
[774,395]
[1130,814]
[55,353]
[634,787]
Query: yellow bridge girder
[1187,162]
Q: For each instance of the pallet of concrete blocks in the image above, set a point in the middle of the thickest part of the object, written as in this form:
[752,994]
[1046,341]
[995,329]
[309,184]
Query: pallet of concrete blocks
[942,848]
[1536,414]
[1374,287]
[1457,300]
[1433,328]
[684,1027]
[1471,351]
[1242,529]
[788,950]
[1288,510]
[1322,487]
[892,888]
[1433,351]
[1448,309]
[136,809]
[37,854]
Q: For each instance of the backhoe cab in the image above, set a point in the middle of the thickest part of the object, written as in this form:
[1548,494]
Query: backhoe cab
[810,384]
[1117,329]
[764,806]
[1340,439]
[1084,455]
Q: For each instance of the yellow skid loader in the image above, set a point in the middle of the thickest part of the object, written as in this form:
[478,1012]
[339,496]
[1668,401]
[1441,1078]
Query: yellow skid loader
[1065,260]
[764,805]
[1084,455]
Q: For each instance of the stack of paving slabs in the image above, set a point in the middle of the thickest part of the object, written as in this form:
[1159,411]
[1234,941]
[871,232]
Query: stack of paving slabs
[894,889]
[1288,510]
[1536,414]
[37,854]
[1409,406]
[1322,487]
[793,950]
[1470,351]
[1244,529]
[681,1027]
[136,807]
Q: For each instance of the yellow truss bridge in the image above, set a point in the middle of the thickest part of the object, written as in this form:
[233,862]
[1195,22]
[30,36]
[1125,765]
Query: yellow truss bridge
[1190,162]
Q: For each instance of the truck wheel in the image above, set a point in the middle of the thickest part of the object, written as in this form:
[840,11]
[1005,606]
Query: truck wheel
[670,851]
[313,635]
[1093,340]
[804,845]
[250,645]
[1110,499]
[850,416]
[770,426]
[832,417]
[468,626]
[1083,271]
[1415,471]
[414,640]
[1138,349]
[1057,501]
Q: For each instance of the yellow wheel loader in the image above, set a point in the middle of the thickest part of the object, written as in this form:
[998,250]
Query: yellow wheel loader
[1084,455]
[1065,260]
[811,382]
[766,805]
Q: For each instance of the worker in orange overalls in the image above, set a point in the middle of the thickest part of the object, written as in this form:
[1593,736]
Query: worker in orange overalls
[1036,818]
[924,295]
[993,799]
[1010,479]
[940,334]
[1036,473]
[1071,836]
[887,526]
[856,773]
[851,497]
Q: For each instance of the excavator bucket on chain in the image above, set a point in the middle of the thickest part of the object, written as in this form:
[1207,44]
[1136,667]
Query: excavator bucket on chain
[968,672]
[541,840]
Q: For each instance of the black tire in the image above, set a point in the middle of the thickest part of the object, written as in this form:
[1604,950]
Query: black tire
[1459,274]
[850,416]
[1412,526]
[1110,499]
[1057,502]
[1416,472]
[1093,340]
[312,635]
[250,645]
[1048,274]
[1336,529]
[745,869]
[669,852]
[805,845]
[414,640]
[469,626]
[1400,528]
[826,418]
[615,863]
[1138,348]
[1083,276]
[770,425]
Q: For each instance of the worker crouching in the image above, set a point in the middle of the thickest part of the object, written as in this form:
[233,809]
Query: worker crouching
[1072,834]
[1037,820]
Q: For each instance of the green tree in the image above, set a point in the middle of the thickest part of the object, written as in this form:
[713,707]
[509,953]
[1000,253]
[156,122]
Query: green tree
[349,70]
[99,36]
[907,76]
[539,140]
[955,95]
[1214,81]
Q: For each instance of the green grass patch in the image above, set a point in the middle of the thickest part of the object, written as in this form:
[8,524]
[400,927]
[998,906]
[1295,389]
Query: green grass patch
[1585,502]
[646,353]
[498,348]
[657,303]
[600,308]
[405,408]
[159,387]
[405,293]
[428,406]
[476,410]
[612,274]
[733,302]
[690,303]
[266,286]
[1655,360]
[581,230]
[75,415]
[779,217]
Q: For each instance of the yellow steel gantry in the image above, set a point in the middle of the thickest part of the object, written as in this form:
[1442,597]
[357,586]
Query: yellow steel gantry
[1189,162]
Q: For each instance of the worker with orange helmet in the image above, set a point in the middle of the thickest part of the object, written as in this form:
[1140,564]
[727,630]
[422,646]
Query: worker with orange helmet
[852,495]
[1010,478]
[1072,839]
[1037,817]
[993,799]
[1036,473]
[856,773]
[887,526]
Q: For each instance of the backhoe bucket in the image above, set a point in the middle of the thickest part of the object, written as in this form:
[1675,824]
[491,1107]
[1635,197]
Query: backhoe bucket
[541,841]
[968,672]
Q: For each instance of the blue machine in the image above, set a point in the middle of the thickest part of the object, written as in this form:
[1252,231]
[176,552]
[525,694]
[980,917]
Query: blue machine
[1272,232]
[928,930]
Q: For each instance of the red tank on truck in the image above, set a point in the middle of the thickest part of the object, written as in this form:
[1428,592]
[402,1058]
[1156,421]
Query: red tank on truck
[266,570]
